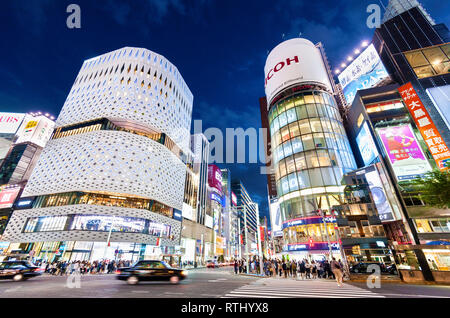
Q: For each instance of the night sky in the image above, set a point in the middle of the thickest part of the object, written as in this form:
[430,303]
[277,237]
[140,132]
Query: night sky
[219,47]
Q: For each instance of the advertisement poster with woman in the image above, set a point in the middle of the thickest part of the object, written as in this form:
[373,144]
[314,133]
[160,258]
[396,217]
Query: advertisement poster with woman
[404,152]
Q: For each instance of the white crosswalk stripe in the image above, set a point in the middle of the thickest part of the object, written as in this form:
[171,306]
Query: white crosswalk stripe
[278,288]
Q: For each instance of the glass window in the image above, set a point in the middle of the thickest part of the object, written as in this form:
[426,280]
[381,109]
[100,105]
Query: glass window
[328,176]
[318,98]
[299,100]
[303,179]
[312,110]
[442,68]
[287,149]
[326,124]
[304,126]
[324,159]
[280,108]
[289,104]
[291,115]
[285,185]
[309,99]
[416,58]
[294,130]
[424,71]
[311,159]
[297,145]
[282,119]
[300,161]
[308,142]
[446,49]
[284,134]
[319,141]
[315,177]
[276,124]
[282,166]
[301,112]
[316,126]
[277,139]
[293,182]
[434,55]
[280,153]
[290,164]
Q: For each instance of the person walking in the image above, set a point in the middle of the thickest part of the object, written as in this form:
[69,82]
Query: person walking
[284,266]
[336,268]
[236,267]
[302,269]
[308,269]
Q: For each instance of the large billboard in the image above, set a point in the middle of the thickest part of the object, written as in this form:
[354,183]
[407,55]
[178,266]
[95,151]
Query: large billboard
[292,62]
[365,71]
[275,218]
[403,151]
[432,137]
[10,122]
[37,130]
[366,145]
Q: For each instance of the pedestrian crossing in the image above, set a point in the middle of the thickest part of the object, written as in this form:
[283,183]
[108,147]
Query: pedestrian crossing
[287,288]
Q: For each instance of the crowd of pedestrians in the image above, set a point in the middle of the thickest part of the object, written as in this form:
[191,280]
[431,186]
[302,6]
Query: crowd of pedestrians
[82,267]
[296,269]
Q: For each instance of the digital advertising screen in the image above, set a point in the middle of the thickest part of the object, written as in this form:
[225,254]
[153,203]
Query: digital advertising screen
[366,71]
[275,218]
[379,196]
[404,152]
[366,145]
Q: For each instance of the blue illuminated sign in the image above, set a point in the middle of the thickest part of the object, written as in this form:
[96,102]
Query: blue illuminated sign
[311,247]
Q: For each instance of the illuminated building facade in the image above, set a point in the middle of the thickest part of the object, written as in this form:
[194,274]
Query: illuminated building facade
[110,183]
[311,152]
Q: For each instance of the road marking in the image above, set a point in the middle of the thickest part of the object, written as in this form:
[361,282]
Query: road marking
[273,288]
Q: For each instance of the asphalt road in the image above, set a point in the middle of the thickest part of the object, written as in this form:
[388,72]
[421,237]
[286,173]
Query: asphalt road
[200,283]
[205,283]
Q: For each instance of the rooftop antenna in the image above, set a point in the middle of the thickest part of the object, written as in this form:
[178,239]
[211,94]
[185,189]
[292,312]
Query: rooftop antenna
[282,36]
[300,33]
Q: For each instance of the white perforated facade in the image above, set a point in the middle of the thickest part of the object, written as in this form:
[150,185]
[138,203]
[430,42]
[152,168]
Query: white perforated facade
[132,87]
[132,84]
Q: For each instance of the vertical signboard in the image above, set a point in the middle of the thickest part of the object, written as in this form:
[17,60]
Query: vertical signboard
[366,145]
[403,151]
[430,134]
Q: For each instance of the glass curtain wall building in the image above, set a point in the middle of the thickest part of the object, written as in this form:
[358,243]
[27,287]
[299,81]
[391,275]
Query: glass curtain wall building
[311,152]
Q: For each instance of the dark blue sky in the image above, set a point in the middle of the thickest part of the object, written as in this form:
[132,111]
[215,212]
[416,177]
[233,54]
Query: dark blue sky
[218,46]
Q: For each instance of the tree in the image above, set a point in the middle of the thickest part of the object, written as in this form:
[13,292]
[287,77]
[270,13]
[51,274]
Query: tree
[434,188]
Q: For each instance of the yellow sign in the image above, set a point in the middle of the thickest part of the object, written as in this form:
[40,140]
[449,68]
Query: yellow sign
[31,124]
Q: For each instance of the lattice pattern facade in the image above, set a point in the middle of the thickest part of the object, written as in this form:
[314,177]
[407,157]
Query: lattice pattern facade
[139,89]
[132,84]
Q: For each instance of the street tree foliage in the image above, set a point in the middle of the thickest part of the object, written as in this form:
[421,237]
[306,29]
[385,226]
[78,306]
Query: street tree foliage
[434,188]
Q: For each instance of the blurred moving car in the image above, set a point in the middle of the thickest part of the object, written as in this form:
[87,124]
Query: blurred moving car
[362,268]
[18,270]
[150,271]
[212,264]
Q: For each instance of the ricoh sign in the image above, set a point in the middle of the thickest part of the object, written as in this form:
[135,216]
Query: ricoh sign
[293,62]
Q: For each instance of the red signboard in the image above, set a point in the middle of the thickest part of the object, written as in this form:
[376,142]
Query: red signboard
[434,141]
[8,196]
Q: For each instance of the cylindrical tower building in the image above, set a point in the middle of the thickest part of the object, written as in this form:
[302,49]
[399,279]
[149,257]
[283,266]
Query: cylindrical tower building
[309,145]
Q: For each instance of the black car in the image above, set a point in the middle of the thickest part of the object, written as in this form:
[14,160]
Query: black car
[18,270]
[150,270]
[362,268]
